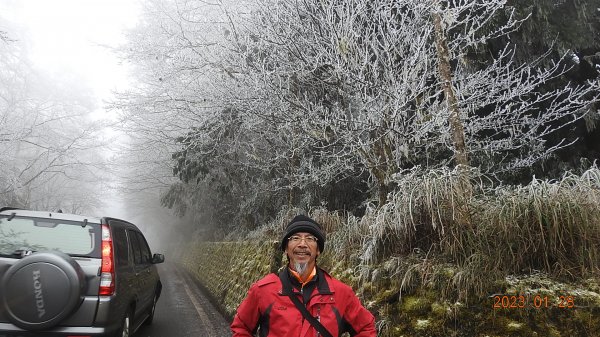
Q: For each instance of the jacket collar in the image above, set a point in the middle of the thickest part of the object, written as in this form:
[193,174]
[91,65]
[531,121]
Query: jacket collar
[322,284]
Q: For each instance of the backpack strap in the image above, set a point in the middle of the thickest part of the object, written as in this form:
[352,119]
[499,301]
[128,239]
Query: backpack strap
[287,290]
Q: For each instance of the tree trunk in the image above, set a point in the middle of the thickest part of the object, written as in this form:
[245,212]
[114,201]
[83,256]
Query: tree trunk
[294,162]
[456,126]
[464,189]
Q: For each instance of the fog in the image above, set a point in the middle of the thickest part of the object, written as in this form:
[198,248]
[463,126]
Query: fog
[61,147]
[161,228]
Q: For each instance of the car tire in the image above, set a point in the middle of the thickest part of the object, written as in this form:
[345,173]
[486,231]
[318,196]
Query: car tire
[126,325]
[150,318]
[41,290]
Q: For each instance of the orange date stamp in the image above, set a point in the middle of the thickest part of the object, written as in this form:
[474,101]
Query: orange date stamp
[527,301]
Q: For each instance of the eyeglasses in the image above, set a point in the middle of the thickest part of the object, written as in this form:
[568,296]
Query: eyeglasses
[297,239]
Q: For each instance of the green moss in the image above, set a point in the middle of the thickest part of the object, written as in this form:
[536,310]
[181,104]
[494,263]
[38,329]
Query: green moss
[513,326]
[440,310]
[415,304]
[553,332]
[422,324]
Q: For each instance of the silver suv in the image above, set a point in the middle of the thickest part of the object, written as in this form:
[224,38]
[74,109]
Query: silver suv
[71,275]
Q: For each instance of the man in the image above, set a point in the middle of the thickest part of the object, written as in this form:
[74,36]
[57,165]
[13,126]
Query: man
[274,304]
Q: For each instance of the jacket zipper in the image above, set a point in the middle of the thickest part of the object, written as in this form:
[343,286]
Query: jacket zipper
[318,308]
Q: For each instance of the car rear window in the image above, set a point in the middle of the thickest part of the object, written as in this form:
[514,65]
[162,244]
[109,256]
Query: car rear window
[22,236]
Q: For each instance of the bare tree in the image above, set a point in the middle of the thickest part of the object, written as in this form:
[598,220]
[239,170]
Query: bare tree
[182,120]
[297,95]
[49,146]
[394,85]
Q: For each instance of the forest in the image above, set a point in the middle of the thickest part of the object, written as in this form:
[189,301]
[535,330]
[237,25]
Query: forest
[264,107]
[242,111]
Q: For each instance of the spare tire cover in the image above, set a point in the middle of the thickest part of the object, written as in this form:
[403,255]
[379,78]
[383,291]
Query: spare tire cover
[42,289]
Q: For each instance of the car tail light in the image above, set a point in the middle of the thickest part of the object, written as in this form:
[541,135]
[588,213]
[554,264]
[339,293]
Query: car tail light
[107,270]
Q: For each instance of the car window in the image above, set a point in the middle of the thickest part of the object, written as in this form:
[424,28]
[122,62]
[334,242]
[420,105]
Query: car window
[145,250]
[21,234]
[121,247]
[135,247]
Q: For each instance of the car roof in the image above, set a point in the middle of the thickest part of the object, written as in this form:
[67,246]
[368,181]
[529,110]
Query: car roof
[46,214]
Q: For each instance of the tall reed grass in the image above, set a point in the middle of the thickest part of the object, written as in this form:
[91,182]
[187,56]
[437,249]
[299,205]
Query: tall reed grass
[552,227]
[549,227]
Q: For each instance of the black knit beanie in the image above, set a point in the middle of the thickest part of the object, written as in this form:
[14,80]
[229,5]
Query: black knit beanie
[302,223]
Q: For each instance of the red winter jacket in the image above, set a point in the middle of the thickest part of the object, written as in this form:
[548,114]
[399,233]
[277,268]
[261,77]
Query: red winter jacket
[270,312]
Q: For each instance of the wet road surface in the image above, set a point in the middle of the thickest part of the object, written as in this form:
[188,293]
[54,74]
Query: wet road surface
[182,309]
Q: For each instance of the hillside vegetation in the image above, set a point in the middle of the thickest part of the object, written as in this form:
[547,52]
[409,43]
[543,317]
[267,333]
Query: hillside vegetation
[422,273]
[255,107]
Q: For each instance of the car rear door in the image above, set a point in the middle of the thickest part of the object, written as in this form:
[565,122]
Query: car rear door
[143,270]
[124,266]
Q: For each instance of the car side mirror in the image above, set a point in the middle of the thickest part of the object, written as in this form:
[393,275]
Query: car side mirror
[158,258]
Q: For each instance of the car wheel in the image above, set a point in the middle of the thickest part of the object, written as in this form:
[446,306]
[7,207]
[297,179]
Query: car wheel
[150,318]
[41,290]
[125,330]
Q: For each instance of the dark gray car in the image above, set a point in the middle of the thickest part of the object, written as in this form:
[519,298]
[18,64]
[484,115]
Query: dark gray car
[70,275]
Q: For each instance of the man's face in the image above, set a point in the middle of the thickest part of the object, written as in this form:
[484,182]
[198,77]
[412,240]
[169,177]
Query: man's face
[301,249]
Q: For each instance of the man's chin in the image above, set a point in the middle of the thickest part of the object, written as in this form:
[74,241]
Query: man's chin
[300,267]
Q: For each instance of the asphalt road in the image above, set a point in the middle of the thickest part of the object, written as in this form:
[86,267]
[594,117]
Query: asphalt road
[182,309]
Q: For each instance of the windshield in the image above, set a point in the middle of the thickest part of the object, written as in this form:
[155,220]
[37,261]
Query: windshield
[21,236]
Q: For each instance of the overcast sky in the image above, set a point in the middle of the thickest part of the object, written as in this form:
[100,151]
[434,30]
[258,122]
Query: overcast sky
[76,36]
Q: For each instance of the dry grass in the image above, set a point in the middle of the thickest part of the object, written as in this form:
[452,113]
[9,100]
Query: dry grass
[546,226]
[552,227]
